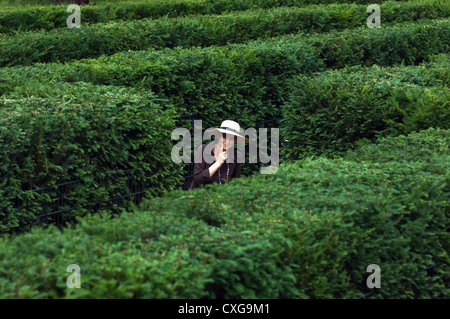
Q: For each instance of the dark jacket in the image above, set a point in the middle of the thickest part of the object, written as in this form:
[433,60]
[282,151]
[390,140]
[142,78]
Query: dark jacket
[201,170]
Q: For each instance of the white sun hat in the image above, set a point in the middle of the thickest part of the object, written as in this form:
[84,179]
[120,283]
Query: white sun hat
[231,128]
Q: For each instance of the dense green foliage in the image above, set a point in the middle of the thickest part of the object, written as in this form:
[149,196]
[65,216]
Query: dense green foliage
[341,108]
[50,17]
[107,96]
[92,41]
[209,81]
[46,141]
[308,231]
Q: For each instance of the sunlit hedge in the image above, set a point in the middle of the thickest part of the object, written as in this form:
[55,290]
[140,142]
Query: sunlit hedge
[209,81]
[66,44]
[51,17]
[309,231]
[343,108]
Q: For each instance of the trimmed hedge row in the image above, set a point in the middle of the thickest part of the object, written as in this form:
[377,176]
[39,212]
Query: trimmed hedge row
[209,81]
[309,231]
[223,77]
[427,78]
[343,108]
[430,75]
[49,141]
[67,44]
[335,217]
[208,76]
[49,18]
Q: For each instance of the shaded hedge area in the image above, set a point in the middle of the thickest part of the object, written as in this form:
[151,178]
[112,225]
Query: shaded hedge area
[308,231]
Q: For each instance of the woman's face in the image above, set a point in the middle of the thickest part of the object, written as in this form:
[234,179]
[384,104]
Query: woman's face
[227,141]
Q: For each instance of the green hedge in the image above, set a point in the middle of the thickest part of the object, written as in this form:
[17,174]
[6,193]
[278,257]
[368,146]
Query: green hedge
[209,81]
[49,18]
[47,141]
[343,108]
[309,231]
[92,41]
[335,217]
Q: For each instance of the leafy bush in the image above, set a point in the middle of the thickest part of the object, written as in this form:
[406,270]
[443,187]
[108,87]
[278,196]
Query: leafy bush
[209,81]
[308,231]
[167,256]
[92,41]
[50,17]
[343,108]
[212,81]
[47,141]
[333,218]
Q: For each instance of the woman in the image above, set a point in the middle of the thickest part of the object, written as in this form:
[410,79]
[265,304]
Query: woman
[220,171]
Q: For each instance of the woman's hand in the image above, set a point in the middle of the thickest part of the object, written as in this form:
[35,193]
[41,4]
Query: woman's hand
[221,158]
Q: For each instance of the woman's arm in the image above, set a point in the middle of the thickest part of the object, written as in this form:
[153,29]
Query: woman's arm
[213,168]
[202,173]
